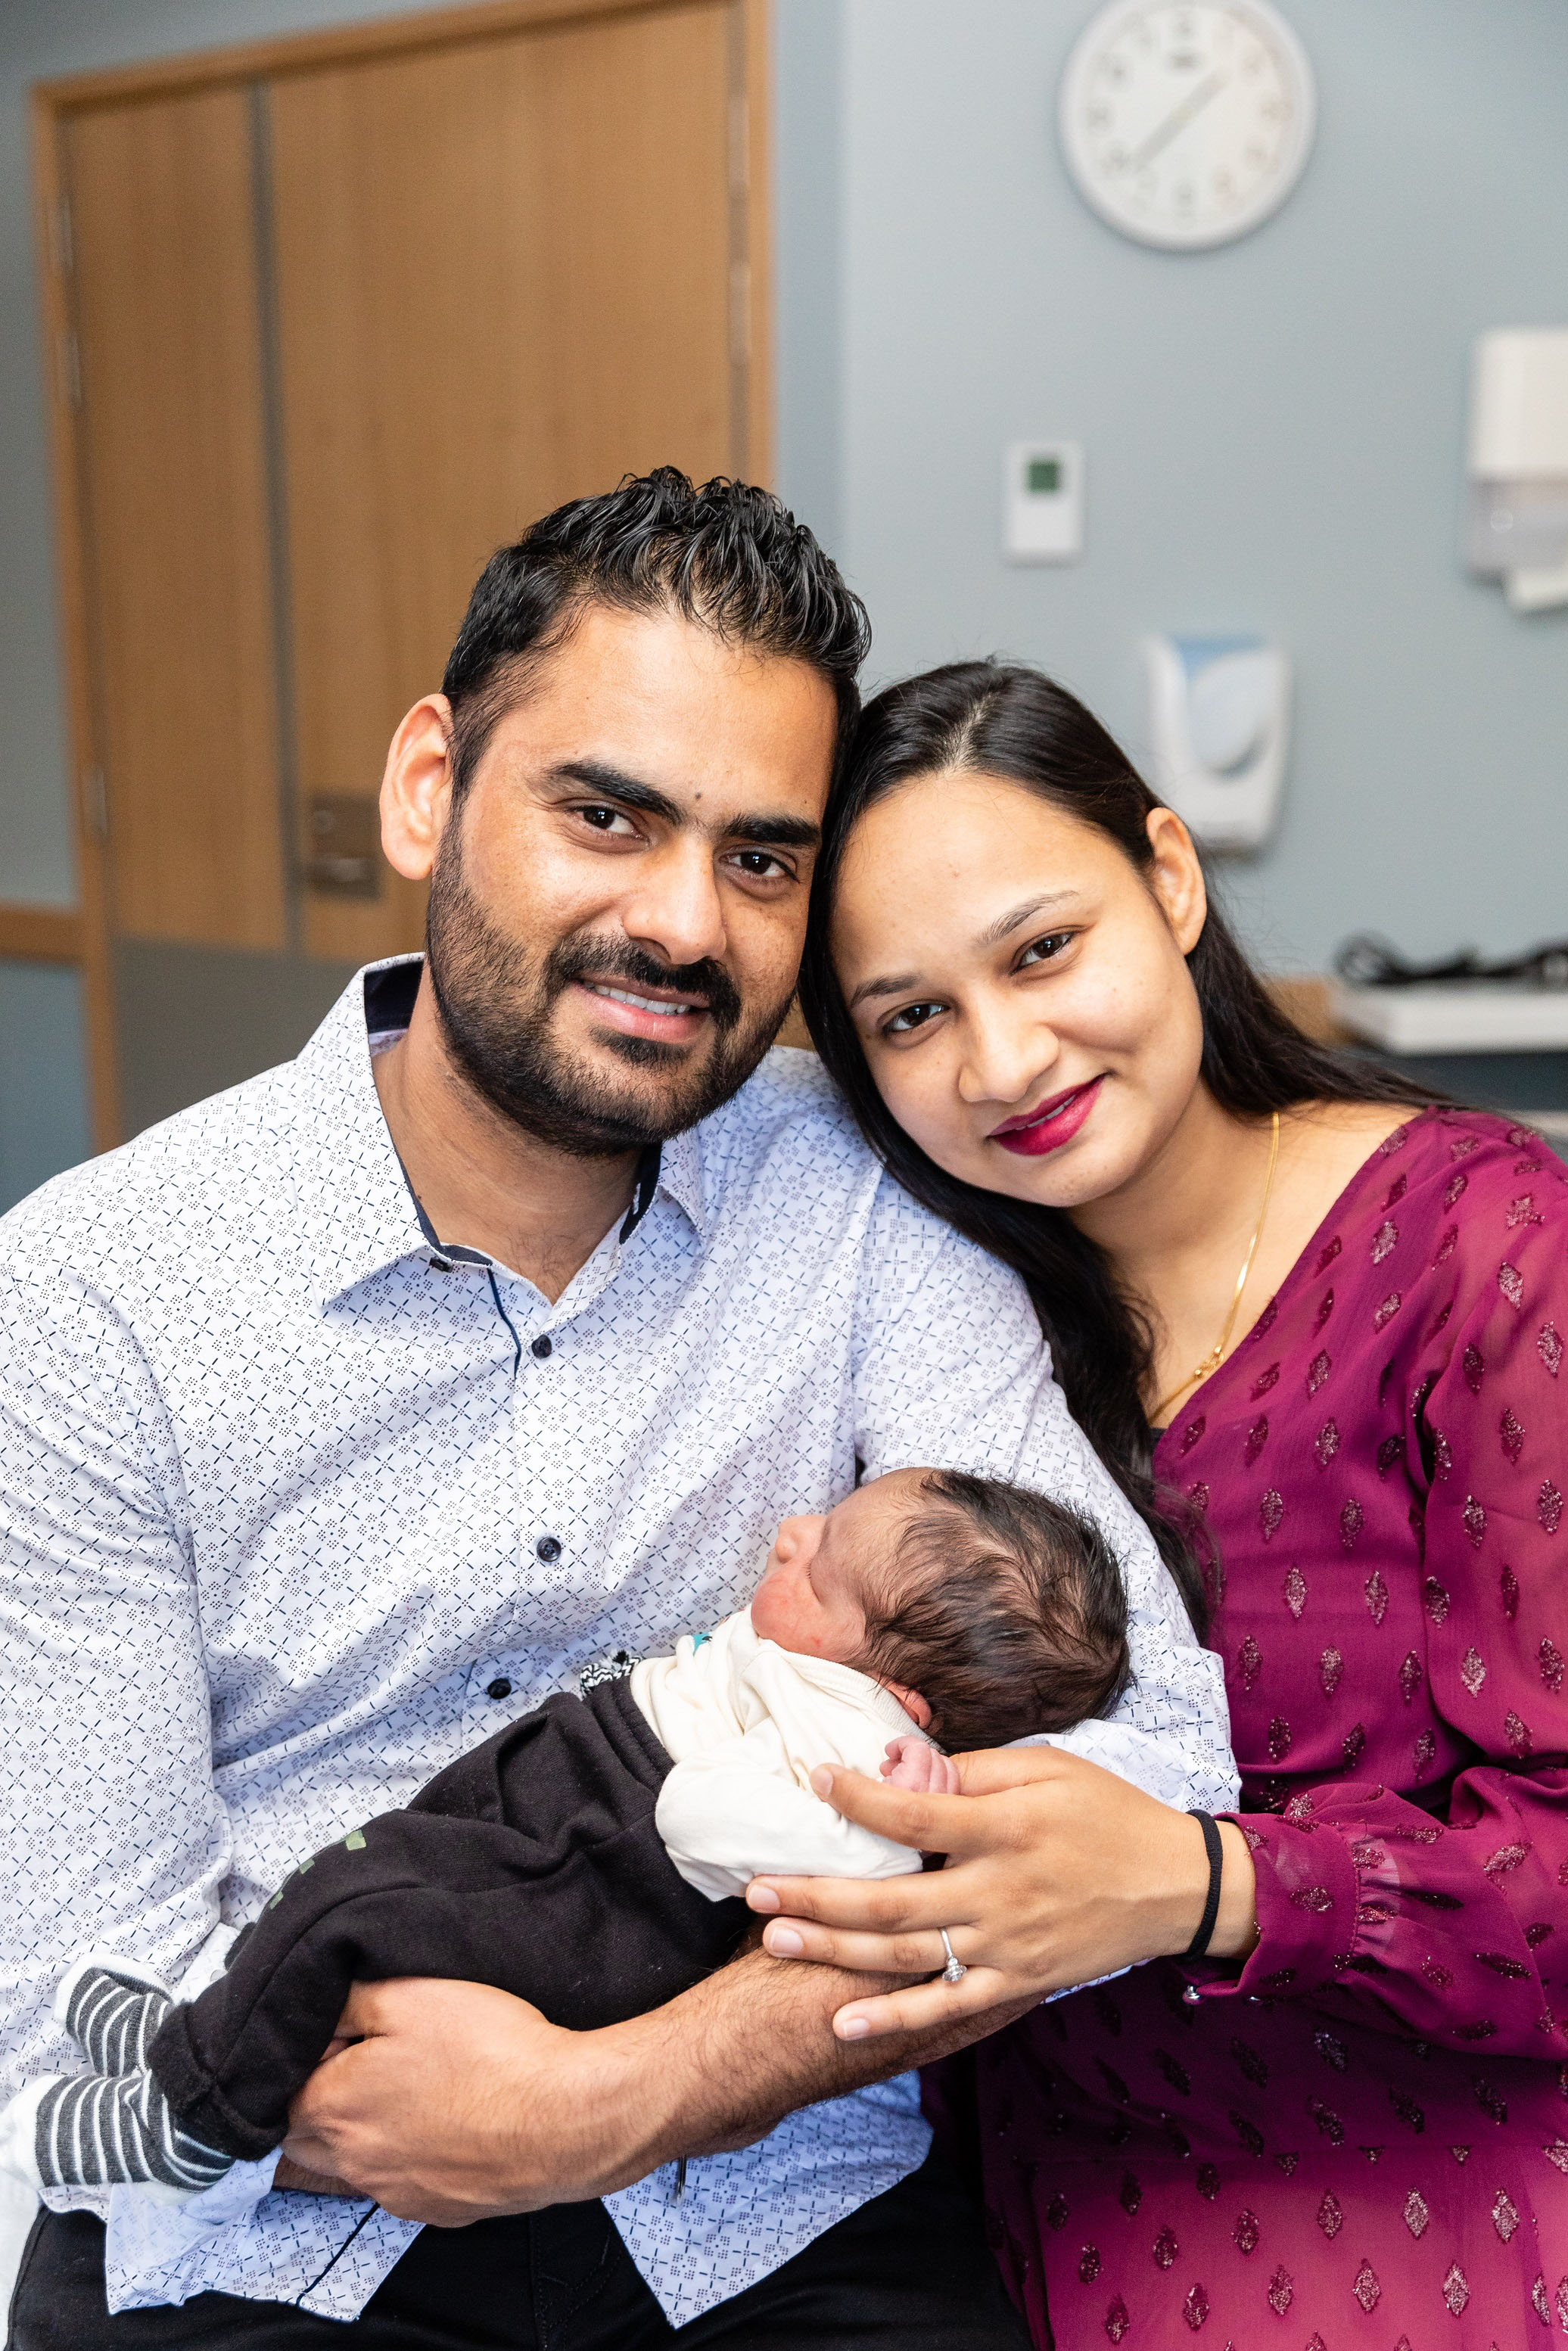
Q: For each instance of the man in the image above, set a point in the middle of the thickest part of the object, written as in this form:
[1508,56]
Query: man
[349,1414]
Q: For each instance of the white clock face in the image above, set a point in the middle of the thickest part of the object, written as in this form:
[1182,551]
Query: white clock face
[1184,122]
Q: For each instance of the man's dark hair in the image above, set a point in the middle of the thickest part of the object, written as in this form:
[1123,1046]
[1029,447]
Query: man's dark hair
[1013,1618]
[727,557]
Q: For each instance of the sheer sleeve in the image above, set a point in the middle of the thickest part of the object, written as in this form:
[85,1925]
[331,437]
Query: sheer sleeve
[1453,1922]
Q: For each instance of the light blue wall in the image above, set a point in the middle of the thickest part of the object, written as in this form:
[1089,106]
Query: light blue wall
[807,81]
[43,1116]
[43,1107]
[1274,430]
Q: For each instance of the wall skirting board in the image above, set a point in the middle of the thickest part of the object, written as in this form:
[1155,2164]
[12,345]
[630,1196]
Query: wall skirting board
[40,934]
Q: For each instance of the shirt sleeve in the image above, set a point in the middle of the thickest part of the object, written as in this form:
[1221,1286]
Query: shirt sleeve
[736,1811]
[110,1831]
[1454,1923]
[951,1372]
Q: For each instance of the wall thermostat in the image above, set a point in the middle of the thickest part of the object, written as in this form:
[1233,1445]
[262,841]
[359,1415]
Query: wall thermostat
[1042,502]
[1186,122]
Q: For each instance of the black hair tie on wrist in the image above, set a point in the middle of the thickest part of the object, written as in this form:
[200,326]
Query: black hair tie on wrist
[1216,1852]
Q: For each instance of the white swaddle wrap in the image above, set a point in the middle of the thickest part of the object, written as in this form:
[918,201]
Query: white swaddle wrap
[746,1724]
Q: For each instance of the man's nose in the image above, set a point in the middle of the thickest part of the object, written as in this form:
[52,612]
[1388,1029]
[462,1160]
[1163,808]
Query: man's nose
[1004,1056]
[675,908]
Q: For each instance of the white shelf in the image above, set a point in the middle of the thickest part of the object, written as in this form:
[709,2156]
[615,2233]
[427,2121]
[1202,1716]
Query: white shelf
[1455,1019]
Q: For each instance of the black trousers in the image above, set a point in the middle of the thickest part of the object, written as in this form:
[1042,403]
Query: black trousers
[909,2272]
[532,1863]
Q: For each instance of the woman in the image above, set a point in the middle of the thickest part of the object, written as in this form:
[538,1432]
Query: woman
[1329,1324]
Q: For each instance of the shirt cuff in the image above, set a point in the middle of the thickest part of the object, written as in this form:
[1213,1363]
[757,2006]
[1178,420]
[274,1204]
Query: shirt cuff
[1308,1911]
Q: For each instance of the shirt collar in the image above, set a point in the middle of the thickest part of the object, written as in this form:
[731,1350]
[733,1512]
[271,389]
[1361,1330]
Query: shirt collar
[681,1177]
[351,1193]
[352,1186]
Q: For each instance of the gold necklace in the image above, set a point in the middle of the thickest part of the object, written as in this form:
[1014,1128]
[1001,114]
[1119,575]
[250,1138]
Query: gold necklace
[1216,1354]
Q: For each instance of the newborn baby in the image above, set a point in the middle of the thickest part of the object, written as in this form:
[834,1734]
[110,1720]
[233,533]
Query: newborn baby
[588,1857]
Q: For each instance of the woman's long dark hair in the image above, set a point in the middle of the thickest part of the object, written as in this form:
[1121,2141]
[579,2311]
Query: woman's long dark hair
[982,718]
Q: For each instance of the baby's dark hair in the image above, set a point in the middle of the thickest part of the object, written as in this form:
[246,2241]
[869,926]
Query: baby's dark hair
[1010,1616]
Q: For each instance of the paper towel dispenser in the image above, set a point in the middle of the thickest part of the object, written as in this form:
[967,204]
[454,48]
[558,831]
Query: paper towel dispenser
[1518,463]
[1219,711]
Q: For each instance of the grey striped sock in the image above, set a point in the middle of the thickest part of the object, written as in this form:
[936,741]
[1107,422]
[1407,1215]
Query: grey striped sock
[96,2131]
[115,2019]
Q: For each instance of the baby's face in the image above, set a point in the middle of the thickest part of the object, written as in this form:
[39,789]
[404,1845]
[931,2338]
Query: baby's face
[812,1598]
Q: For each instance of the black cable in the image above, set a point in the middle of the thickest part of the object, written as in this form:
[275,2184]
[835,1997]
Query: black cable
[1368,961]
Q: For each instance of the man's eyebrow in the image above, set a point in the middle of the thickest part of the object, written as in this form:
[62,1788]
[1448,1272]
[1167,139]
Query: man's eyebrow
[775,832]
[765,831]
[616,785]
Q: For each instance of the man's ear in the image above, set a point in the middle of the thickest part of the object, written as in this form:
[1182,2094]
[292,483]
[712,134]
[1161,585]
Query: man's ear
[1176,878]
[416,787]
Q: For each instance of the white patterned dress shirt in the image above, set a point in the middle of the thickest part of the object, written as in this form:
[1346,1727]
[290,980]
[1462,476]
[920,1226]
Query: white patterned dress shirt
[295,1508]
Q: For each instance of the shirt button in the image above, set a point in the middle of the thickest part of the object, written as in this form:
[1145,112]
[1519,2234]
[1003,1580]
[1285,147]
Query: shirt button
[543,1345]
[548,1549]
[500,1687]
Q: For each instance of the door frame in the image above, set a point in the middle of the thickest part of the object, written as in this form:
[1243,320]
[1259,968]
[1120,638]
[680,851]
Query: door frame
[85,930]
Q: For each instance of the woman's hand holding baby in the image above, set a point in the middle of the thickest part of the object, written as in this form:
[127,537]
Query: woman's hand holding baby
[913,1763]
[1057,1872]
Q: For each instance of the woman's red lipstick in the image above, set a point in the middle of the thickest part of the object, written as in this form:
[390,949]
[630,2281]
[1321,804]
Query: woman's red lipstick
[1050,1124]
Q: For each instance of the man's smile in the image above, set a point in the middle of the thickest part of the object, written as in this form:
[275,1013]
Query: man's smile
[671,1020]
[646,1003]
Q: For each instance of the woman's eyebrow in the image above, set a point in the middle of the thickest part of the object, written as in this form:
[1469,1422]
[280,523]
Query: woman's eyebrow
[1002,929]
[1006,924]
[868,988]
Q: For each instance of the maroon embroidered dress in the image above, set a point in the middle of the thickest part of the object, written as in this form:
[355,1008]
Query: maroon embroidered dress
[1363,2137]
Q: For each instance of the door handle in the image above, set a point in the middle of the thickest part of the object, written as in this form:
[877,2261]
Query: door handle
[345,860]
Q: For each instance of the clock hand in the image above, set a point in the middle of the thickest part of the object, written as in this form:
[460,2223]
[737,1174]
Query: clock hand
[1174,124]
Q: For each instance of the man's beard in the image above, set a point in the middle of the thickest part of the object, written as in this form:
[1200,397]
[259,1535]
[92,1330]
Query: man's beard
[497,1001]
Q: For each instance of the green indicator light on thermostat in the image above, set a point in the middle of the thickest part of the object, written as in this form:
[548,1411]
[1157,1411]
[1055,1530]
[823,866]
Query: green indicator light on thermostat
[1044,476]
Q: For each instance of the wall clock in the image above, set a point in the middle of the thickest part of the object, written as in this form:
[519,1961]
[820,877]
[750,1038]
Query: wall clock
[1187,122]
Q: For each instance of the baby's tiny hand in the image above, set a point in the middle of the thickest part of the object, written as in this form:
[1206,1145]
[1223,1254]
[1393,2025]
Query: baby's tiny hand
[913,1763]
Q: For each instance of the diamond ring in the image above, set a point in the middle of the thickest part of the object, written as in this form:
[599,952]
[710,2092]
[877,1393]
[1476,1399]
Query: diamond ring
[955,1971]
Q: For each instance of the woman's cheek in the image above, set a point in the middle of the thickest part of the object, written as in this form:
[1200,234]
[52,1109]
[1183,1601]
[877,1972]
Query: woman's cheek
[924,1101]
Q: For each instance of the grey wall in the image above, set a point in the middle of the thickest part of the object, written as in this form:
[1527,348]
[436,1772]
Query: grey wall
[43,1111]
[1274,430]
[808,209]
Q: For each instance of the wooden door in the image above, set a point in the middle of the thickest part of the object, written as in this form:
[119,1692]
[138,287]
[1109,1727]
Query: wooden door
[333,318]
[504,281]
[173,456]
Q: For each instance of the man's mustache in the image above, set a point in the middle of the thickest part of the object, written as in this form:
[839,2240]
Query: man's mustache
[593,959]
